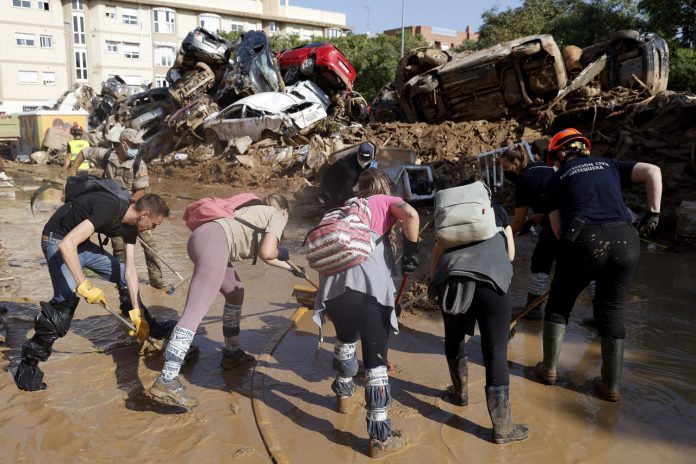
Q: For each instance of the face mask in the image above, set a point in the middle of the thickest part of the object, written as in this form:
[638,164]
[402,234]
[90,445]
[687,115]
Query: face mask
[132,152]
[511,176]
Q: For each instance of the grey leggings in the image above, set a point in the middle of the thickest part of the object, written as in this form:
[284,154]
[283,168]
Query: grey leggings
[208,249]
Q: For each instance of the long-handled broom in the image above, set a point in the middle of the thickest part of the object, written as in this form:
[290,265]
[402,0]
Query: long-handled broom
[532,304]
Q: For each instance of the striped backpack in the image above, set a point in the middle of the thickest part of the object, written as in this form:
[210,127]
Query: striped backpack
[342,239]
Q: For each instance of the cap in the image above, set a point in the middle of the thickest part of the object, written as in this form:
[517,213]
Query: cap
[131,136]
[366,151]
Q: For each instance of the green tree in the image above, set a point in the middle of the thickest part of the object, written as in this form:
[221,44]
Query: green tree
[672,19]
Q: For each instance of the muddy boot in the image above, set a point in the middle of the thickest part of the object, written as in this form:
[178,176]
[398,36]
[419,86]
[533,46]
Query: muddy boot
[458,370]
[234,359]
[347,404]
[504,430]
[608,386]
[398,441]
[552,340]
[29,377]
[172,392]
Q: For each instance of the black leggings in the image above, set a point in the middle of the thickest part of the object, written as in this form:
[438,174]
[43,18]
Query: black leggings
[607,254]
[492,311]
[358,314]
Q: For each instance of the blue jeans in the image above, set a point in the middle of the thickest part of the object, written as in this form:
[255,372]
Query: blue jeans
[91,257]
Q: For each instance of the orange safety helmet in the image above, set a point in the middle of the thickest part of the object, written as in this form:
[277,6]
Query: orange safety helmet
[562,138]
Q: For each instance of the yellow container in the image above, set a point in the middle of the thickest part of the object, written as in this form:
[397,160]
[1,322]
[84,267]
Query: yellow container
[34,125]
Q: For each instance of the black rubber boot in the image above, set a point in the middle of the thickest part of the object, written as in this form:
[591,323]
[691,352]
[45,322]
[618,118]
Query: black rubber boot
[552,340]
[504,430]
[608,386]
[459,371]
[52,323]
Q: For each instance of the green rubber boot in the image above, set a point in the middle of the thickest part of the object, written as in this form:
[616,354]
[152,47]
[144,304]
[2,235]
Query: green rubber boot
[608,386]
[553,340]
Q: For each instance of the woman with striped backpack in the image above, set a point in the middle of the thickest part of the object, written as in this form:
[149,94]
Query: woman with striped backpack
[358,296]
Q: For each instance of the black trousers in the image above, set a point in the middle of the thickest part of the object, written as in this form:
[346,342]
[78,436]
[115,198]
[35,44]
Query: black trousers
[607,254]
[492,311]
[355,314]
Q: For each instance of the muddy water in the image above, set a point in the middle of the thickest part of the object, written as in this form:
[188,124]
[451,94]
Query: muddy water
[95,408]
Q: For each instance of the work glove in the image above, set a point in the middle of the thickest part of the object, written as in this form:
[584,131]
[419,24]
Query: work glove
[93,295]
[409,260]
[142,328]
[648,223]
[299,272]
[283,254]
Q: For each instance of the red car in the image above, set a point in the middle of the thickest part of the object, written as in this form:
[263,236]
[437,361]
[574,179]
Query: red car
[319,61]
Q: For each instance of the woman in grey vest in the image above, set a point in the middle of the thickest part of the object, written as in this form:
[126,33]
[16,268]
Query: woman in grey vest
[470,283]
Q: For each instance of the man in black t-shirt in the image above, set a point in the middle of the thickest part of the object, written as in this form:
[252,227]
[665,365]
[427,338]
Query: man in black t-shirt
[66,245]
[338,180]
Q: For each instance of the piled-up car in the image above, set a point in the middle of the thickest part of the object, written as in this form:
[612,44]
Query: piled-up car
[515,78]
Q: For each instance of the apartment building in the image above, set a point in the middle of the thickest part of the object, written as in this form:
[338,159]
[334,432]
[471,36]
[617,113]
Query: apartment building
[438,37]
[50,45]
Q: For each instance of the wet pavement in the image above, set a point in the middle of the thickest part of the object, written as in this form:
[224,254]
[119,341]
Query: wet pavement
[95,408]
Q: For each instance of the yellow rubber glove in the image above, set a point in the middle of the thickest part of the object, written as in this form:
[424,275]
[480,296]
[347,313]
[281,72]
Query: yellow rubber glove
[93,295]
[142,328]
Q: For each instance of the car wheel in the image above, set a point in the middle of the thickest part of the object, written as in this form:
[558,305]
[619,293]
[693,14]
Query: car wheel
[292,75]
[307,66]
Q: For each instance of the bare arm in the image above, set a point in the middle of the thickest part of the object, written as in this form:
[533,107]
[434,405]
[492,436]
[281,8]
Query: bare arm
[651,176]
[510,242]
[268,252]
[406,213]
[518,219]
[131,274]
[68,248]
[79,159]
[437,253]
[555,218]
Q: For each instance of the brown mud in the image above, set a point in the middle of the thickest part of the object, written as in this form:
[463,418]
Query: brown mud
[96,408]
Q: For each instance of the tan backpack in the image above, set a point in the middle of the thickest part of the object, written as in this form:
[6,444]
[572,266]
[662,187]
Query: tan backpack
[464,215]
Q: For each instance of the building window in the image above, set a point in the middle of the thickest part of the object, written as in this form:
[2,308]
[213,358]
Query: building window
[43,5]
[28,108]
[272,26]
[292,30]
[111,47]
[46,41]
[131,51]
[81,65]
[49,78]
[164,20]
[210,22]
[78,5]
[78,25]
[110,12]
[306,34]
[27,77]
[25,40]
[133,83]
[21,3]
[129,16]
[237,27]
[165,56]
[333,33]
[161,81]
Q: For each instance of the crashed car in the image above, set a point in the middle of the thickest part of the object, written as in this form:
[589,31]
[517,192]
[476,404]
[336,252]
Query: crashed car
[631,53]
[319,61]
[253,70]
[191,116]
[194,82]
[500,81]
[114,90]
[281,113]
[201,45]
[144,102]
